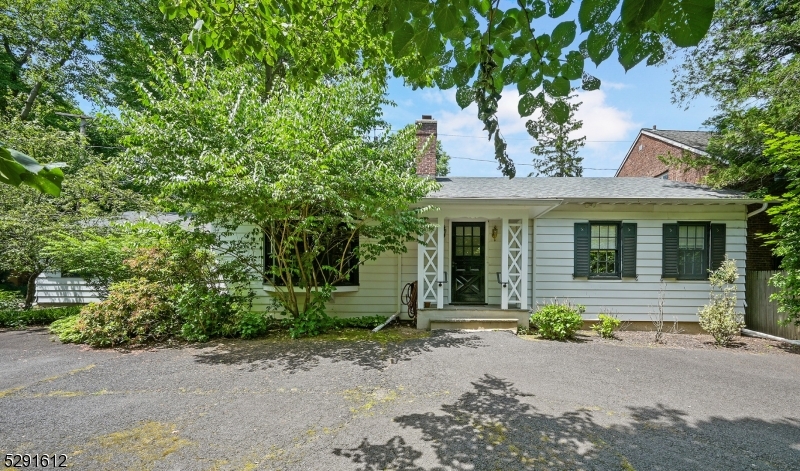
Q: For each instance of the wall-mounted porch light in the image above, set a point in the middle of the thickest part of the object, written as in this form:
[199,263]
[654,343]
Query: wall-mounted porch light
[494,233]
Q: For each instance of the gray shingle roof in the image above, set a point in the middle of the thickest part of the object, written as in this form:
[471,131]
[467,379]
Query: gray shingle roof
[135,216]
[599,188]
[694,139]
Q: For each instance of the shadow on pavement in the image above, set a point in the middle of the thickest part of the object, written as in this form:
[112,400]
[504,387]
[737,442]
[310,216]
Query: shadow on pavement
[492,427]
[295,356]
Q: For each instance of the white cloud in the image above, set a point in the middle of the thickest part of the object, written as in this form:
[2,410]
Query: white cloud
[602,121]
[614,85]
[462,134]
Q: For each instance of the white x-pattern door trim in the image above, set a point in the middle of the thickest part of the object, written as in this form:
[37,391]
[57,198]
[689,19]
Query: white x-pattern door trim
[430,266]
[514,266]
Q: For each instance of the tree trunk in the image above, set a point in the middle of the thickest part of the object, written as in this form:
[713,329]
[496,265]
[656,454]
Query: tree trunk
[30,293]
[29,102]
[36,88]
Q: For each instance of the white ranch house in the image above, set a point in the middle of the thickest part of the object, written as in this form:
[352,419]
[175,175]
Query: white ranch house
[501,246]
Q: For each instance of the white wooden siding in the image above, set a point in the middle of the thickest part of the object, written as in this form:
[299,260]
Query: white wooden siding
[550,265]
[631,299]
[52,288]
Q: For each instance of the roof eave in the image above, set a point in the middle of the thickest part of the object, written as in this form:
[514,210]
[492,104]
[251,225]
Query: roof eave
[528,201]
[628,154]
[674,143]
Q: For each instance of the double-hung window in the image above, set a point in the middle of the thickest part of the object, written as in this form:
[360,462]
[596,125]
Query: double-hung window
[605,249]
[691,249]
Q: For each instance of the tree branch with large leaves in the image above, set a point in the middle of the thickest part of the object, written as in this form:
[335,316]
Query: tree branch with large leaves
[478,46]
[17,168]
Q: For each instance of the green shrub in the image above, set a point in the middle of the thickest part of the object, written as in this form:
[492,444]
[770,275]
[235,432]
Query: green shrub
[67,329]
[205,313]
[310,323]
[719,317]
[18,318]
[162,283]
[364,322]
[558,320]
[606,325]
[135,312]
[253,324]
[10,300]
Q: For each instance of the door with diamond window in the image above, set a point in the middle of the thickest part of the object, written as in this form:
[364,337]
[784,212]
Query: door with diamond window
[469,268]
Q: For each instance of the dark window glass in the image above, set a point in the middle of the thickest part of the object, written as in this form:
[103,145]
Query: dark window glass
[692,251]
[604,250]
[331,257]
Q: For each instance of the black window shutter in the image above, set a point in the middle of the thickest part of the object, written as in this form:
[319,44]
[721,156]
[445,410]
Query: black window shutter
[669,251]
[581,249]
[717,244]
[629,249]
[269,260]
[354,263]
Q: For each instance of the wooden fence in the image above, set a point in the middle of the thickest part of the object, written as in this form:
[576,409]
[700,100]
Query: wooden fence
[761,314]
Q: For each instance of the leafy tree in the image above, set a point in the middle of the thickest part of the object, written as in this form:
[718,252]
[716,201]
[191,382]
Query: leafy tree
[559,153]
[296,171]
[749,65]
[47,44]
[783,153]
[94,48]
[98,252]
[28,218]
[442,161]
[478,46]
[131,31]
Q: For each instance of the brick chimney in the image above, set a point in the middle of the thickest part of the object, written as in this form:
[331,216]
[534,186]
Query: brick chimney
[426,144]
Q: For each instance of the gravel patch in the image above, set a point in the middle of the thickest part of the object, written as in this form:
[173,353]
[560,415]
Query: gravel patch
[686,341]
[453,400]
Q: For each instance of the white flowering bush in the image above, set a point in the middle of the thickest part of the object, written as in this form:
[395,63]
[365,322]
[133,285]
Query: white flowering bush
[719,317]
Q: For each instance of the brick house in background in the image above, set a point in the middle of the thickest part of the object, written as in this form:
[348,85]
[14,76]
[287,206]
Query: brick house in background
[642,160]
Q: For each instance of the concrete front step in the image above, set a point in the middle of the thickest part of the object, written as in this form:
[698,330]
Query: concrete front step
[472,323]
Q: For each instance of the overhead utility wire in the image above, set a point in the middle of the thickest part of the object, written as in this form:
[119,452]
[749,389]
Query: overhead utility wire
[526,165]
[507,139]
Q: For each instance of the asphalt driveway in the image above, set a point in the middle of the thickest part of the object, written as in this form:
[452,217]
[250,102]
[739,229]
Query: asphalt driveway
[465,401]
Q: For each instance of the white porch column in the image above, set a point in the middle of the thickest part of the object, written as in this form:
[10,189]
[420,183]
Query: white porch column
[515,262]
[440,265]
[504,266]
[525,263]
[430,265]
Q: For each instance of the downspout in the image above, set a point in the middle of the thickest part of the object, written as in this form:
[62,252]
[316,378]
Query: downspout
[757,211]
[399,294]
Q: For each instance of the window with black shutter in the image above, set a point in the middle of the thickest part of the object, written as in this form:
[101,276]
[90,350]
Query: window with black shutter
[605,249]
[691,249]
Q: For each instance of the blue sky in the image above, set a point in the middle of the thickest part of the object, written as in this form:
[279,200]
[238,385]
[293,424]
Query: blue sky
[612,115]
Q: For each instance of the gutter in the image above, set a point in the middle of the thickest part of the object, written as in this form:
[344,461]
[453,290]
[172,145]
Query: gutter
[753,333]
[758,211]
